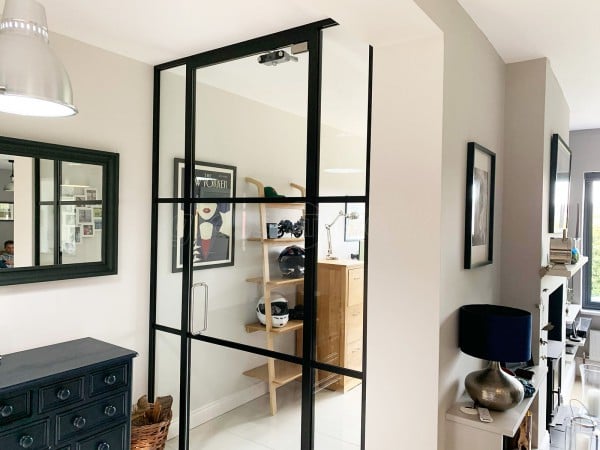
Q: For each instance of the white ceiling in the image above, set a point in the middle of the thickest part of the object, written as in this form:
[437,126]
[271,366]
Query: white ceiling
[567,32]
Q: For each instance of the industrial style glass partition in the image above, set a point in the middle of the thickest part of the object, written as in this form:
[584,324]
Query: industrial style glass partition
[259,231]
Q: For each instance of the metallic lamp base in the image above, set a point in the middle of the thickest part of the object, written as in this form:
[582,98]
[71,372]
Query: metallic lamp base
[493,388]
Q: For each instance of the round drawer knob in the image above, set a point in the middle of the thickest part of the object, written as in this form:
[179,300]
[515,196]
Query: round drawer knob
[63,394]
[110,410]
[110,379]
[103,446]
[26,441]
[6,411]
[79,422]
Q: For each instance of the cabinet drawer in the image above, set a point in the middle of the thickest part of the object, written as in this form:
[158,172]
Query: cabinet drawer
[61,394]
[14,407]
[113,439]
[31,437]
[355,286]
[353,358]
[108,379]
[80,420]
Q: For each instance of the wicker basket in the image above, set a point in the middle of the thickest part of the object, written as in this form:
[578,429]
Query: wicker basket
[148,436]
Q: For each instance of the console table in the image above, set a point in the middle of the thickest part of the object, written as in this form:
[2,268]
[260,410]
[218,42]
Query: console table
[465,431]
[70,396]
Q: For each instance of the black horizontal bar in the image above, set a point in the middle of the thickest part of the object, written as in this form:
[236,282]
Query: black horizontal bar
[266,200]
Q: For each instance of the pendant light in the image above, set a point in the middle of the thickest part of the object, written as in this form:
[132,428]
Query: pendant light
[10,186]
[33,81]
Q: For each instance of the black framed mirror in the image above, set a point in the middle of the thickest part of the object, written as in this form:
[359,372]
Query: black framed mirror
[560,180]
[64,212]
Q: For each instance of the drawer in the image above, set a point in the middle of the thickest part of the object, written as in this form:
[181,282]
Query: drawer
[354,316]
[68,447]
[108,379]
[113,439]
[79,420]
[61,394]
[14,406]
[353,359]
[356,286]
[34,436]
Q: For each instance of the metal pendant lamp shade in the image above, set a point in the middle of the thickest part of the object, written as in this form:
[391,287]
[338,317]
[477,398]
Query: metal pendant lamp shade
[33,81]
[498,334]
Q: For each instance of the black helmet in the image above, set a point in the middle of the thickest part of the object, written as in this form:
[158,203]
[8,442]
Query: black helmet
[291,262]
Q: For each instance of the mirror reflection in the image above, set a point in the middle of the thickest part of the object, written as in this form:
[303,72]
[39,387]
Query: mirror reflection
[51,212]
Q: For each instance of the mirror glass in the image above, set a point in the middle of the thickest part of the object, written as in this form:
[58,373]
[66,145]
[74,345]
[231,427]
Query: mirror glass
[560,176]
[60,202]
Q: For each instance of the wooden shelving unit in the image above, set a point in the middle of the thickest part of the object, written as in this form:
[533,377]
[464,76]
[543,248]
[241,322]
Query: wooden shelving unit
[275,373]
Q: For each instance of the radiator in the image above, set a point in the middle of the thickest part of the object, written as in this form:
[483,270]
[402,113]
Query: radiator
[594,345]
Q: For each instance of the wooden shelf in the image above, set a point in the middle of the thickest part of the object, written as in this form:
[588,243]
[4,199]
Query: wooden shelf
[278,241]
[284,372]
[564,270]
[277,281]
[292,325]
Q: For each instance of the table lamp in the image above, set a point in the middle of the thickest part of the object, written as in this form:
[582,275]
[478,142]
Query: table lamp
[498,334]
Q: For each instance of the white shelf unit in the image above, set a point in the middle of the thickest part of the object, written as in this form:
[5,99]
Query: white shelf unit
[468,432]
[564,270]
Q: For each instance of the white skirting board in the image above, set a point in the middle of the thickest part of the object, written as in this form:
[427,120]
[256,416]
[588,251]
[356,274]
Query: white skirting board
[219,407]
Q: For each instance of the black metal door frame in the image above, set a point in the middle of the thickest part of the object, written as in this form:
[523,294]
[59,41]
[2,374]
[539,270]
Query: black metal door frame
[311,34]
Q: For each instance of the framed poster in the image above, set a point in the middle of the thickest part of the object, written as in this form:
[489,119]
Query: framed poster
[560,181]
[6,211]
[479,207]
[213,225]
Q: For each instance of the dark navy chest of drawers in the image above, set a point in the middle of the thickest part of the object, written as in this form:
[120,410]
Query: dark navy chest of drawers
[70,396]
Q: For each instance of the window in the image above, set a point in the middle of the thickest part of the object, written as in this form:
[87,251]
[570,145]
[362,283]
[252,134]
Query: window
[591,241]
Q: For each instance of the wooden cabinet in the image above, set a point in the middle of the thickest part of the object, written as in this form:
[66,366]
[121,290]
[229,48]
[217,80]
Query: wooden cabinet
[74,395]
[340,293]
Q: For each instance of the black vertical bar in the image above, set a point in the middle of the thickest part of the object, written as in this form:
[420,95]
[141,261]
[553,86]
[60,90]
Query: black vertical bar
[187,274]
[57,186]
[154,238]
[366,249]
[588,218]
[36,214]
[313,131]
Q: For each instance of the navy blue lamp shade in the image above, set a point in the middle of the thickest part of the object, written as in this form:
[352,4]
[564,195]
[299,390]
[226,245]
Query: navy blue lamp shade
[495,333]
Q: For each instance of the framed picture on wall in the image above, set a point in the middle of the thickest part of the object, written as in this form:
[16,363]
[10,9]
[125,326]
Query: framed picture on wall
[6,211]
[560,182]
[214,221]
[479,207]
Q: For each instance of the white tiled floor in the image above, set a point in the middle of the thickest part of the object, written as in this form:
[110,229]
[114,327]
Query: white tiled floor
[251,427]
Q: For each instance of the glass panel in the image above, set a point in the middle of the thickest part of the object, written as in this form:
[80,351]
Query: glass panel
[81,241]
[169,265]
[168,354]
[344,109]
[230,403]
[172,128]
[47,236]
[238,294]
[81,183]
[338,418]
[46,180]
[255,122]
[595,234]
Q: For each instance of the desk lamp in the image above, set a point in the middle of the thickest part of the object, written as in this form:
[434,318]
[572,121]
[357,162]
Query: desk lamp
[352,216]
[498,334]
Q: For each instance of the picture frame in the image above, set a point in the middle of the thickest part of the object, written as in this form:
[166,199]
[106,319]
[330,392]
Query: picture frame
[84,216]
[97,224]
[87,230]
[214,223]
[479,206]
[91,194]
[560,182]
[354,229]
[7,211]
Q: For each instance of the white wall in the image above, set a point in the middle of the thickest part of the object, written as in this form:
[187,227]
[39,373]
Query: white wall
[474,84]
[114,97]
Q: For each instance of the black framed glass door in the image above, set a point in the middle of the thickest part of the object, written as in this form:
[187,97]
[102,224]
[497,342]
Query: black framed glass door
[251,326]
